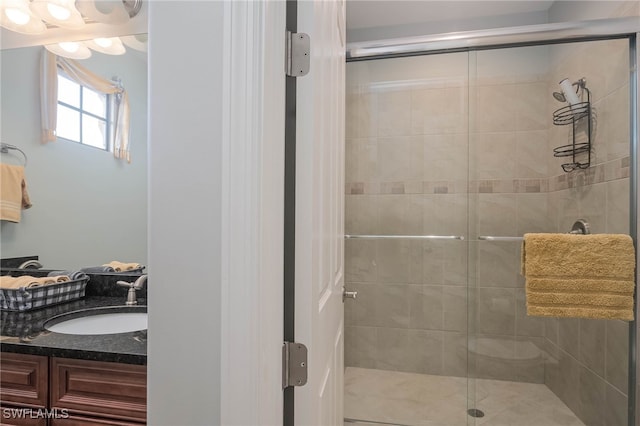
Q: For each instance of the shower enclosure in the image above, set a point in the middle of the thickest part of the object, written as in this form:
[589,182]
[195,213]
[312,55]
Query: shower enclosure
[450,160]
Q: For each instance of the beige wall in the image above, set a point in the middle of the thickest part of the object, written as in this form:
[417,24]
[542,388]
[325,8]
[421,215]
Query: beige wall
[588,359]
[409,173]
[406,174]
[508,197]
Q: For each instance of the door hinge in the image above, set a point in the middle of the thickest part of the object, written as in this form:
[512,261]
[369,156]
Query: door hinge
[294,364]
[298,54]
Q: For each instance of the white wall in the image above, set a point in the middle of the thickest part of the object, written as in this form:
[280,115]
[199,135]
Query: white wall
[438,27]
[185,193]
[216,208]
[88,207]
[566,11]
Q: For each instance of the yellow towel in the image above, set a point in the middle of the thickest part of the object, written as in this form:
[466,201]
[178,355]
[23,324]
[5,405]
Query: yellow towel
[29,281]
[13,192]
[120,266]
[579,276]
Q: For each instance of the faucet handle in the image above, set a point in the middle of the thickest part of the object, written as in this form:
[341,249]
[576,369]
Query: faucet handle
[140,282]
[131,294]
[125,284]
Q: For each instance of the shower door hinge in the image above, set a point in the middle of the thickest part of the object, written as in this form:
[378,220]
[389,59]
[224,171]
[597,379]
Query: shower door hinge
[294,364]
[298,54]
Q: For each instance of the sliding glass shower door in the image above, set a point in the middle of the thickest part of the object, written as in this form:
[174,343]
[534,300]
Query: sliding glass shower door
[533,172]
[406,252]
[450,161]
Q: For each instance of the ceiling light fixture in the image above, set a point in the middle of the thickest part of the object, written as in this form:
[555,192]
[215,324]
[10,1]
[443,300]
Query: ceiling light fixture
[69,49]
[26,16]
[62,13]
[136,41]
[104,11]
[15,15]
[109,46]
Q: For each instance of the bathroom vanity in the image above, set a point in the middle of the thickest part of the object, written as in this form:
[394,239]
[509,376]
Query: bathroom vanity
[71,391]
[56,379]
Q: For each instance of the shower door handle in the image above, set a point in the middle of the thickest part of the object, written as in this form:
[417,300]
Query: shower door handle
[492,238]
[348,294]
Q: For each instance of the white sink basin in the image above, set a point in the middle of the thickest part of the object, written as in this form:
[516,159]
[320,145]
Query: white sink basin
[98,322]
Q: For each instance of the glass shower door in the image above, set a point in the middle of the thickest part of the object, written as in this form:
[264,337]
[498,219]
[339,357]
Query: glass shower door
[527,369]
[449,162]
[406,251]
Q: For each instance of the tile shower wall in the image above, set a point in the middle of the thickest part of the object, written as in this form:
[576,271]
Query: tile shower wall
[587,360]
[406,174]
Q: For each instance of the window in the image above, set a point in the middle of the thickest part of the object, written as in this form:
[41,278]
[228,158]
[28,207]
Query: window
[84,115]
[89,109]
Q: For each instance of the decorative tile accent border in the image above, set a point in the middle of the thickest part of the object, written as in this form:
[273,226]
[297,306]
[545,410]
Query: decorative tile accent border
[599,173]
[605,172]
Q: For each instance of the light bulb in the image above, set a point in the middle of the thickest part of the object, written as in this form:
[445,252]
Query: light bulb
[58,12]
[17,16]
[109,46]
[61,13]
[71,50]
[103,42]
[69,46]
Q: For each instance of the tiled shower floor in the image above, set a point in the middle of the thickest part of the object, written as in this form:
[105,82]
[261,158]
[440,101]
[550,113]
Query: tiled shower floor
[379,396]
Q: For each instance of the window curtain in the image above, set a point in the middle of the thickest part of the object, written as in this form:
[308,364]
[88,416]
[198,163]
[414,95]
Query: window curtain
[76,72]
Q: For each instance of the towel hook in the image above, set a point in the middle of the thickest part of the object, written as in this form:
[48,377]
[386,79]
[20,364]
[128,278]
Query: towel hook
[580,226]
[5,147]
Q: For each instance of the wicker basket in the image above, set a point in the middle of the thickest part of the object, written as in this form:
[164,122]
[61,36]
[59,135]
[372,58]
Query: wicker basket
[26,299]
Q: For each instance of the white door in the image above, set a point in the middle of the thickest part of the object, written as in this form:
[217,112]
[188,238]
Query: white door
[320,213]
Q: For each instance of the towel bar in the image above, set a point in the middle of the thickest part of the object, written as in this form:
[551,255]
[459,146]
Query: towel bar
[408,237]
[5,147]
[580,227]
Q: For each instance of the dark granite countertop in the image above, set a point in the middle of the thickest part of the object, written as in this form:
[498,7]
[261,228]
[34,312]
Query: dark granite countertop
[23,332]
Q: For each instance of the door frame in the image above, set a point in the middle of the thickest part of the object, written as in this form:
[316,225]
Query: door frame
[252,213]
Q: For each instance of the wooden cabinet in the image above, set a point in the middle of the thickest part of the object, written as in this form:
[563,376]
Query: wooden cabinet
[78,392]
[95,388]
[89,421]
[24,380]
[20,416]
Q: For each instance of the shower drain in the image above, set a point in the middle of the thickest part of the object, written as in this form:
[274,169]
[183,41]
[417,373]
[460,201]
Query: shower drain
[474,412]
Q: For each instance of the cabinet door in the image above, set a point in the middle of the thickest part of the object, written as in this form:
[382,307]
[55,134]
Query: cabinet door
[86,421]
[23,380]
[101,389]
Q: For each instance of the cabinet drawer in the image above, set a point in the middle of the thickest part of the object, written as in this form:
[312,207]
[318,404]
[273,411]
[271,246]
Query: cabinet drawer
[86,421]
[94,388]
[23,379]
[20,416]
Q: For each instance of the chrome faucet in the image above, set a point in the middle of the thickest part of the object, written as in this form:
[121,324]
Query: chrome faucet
[30,264]
[133,287]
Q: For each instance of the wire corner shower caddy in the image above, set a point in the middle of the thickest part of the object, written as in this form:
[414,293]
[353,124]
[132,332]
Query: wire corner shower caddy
[579,116]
